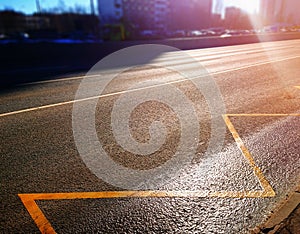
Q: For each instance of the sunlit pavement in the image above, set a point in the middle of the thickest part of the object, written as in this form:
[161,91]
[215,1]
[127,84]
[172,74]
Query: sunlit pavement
[286,218]
[47,187]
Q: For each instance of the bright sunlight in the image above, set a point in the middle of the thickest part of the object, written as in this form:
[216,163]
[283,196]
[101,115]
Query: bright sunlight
[250,6]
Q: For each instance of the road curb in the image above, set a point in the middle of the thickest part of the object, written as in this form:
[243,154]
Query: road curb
[278,220]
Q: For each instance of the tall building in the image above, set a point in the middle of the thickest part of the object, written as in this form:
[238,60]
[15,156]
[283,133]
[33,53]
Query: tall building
[147,14]
[203,13]
[232,14]
[191,14]
[237,19]
[110,11]
[161,14]
[157,14]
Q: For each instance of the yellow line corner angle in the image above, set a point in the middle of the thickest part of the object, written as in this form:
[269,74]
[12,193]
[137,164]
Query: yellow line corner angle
[29,200]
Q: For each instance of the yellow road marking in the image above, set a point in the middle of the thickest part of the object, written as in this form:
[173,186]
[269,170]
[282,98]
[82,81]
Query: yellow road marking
[298,87]
[262,115]
[36,214]
[267,191]
[133,90]
[263,181]
[45,226]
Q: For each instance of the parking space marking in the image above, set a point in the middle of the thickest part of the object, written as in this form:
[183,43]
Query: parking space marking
[29,200]
[258,173]
[37,215]
[263,115]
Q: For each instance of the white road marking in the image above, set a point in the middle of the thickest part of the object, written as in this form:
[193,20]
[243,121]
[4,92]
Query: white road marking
[204,57]
[133,90]
[57,80]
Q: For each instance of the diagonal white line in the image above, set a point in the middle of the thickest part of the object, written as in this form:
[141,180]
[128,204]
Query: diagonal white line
[133,90]
[204,57]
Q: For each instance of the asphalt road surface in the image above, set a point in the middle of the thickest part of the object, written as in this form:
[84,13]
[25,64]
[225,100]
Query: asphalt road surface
[157,151]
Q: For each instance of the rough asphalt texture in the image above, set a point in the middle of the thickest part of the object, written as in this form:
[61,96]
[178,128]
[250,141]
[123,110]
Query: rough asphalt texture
[39,155]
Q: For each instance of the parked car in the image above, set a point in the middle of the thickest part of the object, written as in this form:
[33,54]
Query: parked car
[195,33]
[178,33]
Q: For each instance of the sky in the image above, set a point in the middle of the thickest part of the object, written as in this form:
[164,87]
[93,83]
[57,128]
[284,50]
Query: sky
[248,5]
[29,6]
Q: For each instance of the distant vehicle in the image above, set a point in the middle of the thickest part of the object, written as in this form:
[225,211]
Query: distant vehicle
[272,28]
[245,32]
[225,35]
[178,33]
[257,31]
[208,33]
[234,32]
[217,31]
[147,33]
[280,27]
[19,36]
[230,33]
[195,33]
[3,36]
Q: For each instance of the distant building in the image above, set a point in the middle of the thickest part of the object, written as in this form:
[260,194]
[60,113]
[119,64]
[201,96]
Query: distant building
[159,15]
[11,22]
[237,19]
[232,14]
[147,14]
[33,22]
[216,20]
[110,11]
[191,14]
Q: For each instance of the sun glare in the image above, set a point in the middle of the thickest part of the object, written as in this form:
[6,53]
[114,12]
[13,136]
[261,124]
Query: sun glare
[250,6]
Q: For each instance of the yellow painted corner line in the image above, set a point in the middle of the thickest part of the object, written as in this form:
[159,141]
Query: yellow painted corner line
[29,200]
[298,87]
[45,227]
